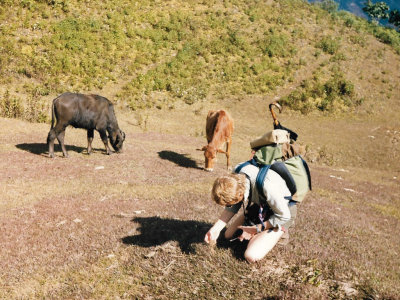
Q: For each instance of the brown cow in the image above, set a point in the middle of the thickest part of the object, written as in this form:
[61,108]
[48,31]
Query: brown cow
[219,129]
[90,112]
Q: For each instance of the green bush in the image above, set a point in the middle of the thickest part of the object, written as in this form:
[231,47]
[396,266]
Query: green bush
[276,45]
[329,44]
[388,36]
[335,93]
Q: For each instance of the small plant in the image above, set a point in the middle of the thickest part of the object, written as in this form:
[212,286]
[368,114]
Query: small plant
[11,107]
[276,45]
[358,39]
[329,44]
[36,111]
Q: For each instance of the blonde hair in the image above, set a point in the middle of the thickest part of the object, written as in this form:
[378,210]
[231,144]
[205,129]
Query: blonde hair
[228,189]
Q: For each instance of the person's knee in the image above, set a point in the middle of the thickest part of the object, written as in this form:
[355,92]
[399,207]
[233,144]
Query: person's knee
[256,252]
[250,257]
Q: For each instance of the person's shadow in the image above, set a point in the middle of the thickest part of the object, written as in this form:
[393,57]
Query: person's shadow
[43,148]
[179,159]
[155,231]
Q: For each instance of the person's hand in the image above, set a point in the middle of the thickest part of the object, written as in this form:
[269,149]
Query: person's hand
[252,153]
[211,236]
[248,232]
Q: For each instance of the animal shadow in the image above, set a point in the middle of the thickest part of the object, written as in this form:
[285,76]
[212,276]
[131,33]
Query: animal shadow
[43,148]
[180,159]
[155,231]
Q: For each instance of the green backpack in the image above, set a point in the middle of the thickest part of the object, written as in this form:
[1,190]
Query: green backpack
[290,166]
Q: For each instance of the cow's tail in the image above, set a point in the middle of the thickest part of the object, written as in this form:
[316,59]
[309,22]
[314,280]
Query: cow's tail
[52,113]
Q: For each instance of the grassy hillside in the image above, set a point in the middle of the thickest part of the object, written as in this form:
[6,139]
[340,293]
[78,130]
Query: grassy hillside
[155,53]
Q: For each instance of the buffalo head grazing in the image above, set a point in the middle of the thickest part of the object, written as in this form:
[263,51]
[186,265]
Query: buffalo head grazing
[117,139]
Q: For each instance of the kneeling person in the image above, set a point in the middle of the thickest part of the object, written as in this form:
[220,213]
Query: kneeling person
[263,219]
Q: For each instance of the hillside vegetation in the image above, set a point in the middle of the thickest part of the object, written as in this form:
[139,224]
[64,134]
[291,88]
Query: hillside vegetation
[157,53]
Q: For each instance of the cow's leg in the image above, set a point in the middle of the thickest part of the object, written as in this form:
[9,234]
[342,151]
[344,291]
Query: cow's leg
[103,135]
[50,142]
[228,153]
[60,138]
[56,132]
[90,135]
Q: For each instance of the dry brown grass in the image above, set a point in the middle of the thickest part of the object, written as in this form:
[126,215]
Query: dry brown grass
[134,229]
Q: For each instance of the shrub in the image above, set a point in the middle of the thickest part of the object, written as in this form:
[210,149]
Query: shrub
[36,111]
[276,45]
[328,44]
[335,93]
[388,36]
[11,107]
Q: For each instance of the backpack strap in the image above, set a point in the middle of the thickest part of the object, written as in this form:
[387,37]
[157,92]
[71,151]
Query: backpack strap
[241,166]
[260,179]
[263,169]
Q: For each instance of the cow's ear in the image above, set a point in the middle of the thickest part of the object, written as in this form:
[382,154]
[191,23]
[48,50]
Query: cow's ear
[202,149]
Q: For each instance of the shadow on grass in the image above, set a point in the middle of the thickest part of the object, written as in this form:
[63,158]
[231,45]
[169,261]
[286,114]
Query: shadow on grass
[42,148]
[237,247]
[180,159]
[155,231]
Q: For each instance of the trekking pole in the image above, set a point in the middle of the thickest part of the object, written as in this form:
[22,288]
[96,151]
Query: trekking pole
[275,103]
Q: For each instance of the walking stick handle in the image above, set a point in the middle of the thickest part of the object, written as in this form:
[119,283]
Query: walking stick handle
[275,103]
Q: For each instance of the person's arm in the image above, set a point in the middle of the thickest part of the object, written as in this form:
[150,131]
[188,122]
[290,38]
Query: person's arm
[275,188]
[250,231]
[213,233]
[279,206]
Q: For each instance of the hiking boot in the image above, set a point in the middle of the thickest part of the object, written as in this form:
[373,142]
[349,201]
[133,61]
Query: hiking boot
[284,240]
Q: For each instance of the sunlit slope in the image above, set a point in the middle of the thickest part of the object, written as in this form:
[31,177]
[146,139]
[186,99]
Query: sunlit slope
[155,53]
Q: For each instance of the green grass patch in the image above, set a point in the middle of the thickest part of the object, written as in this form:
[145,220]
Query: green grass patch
[388,210]
[336,93]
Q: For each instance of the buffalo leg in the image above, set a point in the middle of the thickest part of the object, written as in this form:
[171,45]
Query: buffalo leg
[103,136]
[50,142]
[60,138]
[56,132]
[90,135]
[228,153]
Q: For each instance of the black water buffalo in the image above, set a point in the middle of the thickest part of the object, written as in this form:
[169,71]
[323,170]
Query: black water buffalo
[88,112]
